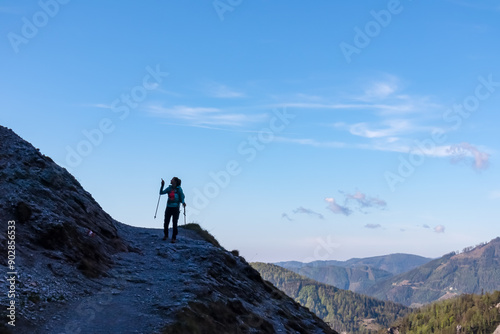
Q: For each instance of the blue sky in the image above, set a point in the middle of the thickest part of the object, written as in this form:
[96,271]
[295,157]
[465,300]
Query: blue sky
[301,130]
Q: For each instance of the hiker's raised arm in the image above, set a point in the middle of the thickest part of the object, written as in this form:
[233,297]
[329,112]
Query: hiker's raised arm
[163,192]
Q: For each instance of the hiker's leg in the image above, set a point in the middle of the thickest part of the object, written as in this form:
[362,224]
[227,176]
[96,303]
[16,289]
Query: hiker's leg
[175,219]
[168,214]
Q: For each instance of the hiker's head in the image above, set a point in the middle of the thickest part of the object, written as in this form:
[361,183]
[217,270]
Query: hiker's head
[175,181]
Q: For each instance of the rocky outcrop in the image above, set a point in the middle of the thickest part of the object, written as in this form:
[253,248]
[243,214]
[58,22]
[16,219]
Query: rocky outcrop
[53,213]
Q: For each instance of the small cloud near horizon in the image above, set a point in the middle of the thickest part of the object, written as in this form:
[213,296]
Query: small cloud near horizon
[355,202]
[439,229]
[373,226]
[381,89]
[466,152]
[308,212]
[337,208]
[352,202]
[217,90]
[365,201]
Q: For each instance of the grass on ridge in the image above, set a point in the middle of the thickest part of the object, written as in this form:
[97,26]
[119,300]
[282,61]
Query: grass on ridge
[201,232]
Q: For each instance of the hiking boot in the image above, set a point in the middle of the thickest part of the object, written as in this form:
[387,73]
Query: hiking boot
[173,241]
[165,237]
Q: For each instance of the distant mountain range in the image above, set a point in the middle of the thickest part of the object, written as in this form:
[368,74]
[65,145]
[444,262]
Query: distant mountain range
[473,271]
[356,274]
[393,263]
[383,284]
[409,279]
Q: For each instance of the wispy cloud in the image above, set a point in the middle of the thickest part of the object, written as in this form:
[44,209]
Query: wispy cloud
[308,212]
[439,229]
[380,96]
[217,90]
[352,202]
[310,142]
[388,128]
[334,207]
[381,89]
[98,105]
[205,116]
[355,202]
[463,152]
[169,92]
[466,152]
[373,226]
[396,118]
[386,98]
[384,108]
[363,201]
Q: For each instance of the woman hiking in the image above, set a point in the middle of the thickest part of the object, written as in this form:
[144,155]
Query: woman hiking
[175,198]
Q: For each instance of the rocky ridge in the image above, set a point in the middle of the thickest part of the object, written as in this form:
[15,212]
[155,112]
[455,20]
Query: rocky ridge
[52,211]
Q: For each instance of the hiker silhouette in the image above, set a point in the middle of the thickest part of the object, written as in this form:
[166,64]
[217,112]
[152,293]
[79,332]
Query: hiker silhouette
[175,198]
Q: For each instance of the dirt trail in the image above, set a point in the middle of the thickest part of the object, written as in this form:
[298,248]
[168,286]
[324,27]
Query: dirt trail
[192,286]
[142,291]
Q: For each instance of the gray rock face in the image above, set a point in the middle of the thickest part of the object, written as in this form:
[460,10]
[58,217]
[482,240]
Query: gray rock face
[121,279]
[51,210]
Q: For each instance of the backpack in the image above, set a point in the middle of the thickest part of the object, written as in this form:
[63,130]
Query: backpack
[171,193]
[171,196]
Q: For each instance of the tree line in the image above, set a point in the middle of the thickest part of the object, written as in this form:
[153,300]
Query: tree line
[468,313]
[343,310]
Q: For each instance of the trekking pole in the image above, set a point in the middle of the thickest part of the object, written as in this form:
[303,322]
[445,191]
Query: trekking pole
[184,215]
[157,205]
